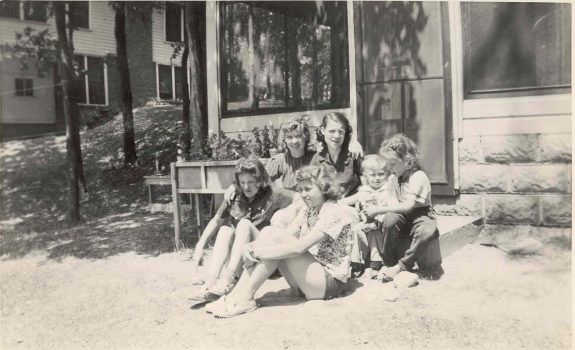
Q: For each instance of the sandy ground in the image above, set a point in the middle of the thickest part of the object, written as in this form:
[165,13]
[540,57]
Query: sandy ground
[486,300]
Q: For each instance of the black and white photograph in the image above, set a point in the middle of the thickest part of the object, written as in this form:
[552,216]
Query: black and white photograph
[287,175]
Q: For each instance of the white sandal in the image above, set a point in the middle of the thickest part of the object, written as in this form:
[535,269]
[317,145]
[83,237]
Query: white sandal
[236,309]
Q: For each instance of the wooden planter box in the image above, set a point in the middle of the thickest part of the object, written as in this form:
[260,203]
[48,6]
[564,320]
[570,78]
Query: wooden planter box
[195,179]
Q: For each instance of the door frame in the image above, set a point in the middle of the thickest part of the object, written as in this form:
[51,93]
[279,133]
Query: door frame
[438,188]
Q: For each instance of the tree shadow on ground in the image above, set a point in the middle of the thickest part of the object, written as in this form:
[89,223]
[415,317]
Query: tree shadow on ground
[289,297]
[140,232]
[33,195]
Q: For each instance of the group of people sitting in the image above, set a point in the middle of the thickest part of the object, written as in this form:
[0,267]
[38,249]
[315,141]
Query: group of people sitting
[334,215]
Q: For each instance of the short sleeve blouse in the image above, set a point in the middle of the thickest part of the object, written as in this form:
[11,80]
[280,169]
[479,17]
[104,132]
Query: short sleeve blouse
[333,252]
[417,188]
[283,166]
[346,168]
[259,211]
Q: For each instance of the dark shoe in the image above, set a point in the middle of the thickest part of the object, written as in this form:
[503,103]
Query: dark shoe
[432,273]
[357,269]
[376,265]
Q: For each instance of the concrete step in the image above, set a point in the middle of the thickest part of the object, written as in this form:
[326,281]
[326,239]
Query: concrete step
[457,231]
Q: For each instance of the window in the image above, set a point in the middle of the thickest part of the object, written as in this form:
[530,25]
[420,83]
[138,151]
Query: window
[516,48]
[90,84]
[35,11]
[169,82]
[283,56]
[29,10]
[173,23]
[81,14]
[24,87]
[10,9]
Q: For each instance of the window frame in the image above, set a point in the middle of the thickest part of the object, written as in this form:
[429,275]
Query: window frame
[89,16]
[225,114]
[87,81]
[475,94]
[165,27]
[25,91]
[174,91]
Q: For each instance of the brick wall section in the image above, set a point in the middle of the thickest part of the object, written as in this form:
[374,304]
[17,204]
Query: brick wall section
[142,68]
[514,179]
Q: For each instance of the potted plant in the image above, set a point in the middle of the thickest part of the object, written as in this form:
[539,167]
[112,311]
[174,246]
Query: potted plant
[274,146]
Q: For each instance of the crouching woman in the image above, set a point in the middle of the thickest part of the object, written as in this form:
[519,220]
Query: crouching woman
[312,253]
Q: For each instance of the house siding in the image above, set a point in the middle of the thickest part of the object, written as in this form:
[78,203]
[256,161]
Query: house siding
[99,39]
[37,109]
[161,49]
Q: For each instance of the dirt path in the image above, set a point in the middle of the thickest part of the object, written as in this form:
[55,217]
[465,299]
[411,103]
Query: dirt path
[128,301]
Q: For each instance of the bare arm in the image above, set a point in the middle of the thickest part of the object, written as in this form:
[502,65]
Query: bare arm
[287,250]
[211,228]
[351,200]
[401,208]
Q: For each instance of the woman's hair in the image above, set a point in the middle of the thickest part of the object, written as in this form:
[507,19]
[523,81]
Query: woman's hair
[297,124]
[251,165]
[402,148]
[374,162]
[338,118]
[320,178]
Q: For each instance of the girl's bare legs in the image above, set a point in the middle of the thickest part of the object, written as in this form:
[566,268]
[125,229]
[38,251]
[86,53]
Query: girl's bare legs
[219,254]
[302,270]
[245,233]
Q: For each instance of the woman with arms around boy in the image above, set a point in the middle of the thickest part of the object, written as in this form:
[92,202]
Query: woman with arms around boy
[312,253]
[410,227]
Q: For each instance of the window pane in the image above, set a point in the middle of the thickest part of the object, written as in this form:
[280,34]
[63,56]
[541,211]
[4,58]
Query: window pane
[79,81]
[270,58]
[237,62]
[178,76]
[323,64]
[516,46]
[96,85]
[165,76]
[282,56]
[173,23]
[81,14]
[255,69]
[28,88]
[19,87]
[35,11]
[10,9]
[314,58]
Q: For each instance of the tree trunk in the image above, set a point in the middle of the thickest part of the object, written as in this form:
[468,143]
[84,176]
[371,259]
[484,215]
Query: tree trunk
[196,35]
[72,134]
[186,135]
[74,107]
[130,156]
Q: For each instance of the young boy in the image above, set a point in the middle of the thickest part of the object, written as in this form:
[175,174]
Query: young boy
[378,192]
